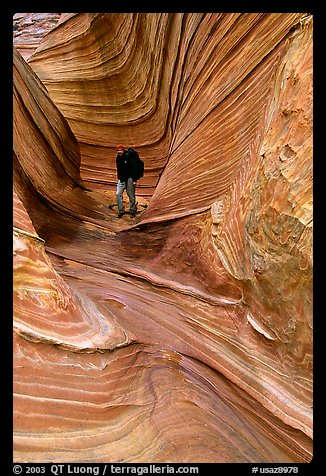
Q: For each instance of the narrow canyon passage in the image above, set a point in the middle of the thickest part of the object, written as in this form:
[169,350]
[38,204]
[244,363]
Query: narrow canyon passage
[138,383]
[183,334]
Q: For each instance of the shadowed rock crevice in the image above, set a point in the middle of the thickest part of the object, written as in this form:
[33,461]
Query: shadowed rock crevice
[184,334]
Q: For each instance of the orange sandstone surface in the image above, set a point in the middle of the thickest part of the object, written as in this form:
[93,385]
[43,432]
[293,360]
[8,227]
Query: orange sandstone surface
[183,334]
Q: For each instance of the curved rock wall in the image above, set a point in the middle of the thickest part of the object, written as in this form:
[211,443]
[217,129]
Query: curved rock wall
[186,335]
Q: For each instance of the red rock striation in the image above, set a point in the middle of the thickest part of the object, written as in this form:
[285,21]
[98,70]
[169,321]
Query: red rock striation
[186,335]
[29,29]
[46,309]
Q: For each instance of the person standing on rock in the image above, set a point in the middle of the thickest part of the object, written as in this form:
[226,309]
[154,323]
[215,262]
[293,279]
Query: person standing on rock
[125,173]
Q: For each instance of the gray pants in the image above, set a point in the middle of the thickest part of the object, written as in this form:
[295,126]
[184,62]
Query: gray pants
[131,194]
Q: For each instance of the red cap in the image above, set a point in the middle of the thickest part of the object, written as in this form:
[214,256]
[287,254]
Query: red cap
[120,146]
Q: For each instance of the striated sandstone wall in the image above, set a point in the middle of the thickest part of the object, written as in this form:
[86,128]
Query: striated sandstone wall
[209,293]
[29,29]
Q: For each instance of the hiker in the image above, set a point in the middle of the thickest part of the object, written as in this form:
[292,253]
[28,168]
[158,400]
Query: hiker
[125,173]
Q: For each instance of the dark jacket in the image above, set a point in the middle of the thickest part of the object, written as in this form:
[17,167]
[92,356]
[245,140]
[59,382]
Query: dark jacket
[124,170]
[125,167]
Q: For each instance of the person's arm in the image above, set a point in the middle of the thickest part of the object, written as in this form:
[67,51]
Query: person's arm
[118,164]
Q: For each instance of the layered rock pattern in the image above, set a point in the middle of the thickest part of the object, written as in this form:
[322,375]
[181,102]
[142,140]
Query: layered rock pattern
[29,29]
[46,309]
[184,336]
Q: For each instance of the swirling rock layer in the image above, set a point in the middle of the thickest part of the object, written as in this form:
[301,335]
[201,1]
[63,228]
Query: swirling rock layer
[184,335]
[29,29]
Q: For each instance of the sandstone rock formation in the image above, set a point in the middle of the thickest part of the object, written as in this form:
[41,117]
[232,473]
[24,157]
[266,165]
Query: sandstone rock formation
[29,29]
[186,335]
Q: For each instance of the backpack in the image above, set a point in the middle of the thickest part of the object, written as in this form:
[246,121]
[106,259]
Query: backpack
[137,164]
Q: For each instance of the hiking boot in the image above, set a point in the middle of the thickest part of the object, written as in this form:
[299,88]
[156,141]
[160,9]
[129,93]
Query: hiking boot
[120,214]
